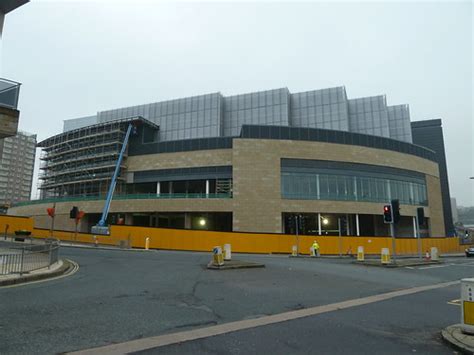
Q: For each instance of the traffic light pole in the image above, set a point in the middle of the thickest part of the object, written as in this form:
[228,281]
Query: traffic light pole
[52,220]
[297,237]
[392,232]
[418,236]
[340,236]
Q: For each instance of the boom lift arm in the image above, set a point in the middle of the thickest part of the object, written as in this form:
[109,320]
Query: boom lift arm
[101,227]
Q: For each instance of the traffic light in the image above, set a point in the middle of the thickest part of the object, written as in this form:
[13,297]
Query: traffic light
[290,223]
[387,214]
[73,212]
[420,214]
[395,211]
[51,212]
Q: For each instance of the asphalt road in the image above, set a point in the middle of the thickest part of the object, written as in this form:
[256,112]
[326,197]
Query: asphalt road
[118,296]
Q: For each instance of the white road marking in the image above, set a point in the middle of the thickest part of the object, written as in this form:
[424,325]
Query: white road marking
[194,334]
[433,267]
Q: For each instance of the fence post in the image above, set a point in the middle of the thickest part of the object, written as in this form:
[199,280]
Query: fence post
[21,262]
[50,254]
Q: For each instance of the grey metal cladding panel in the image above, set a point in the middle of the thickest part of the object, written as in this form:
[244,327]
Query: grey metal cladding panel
[369,115]
[367,104]
[326,108]
[76,123]
[399,123]
[190,117]
[264,108]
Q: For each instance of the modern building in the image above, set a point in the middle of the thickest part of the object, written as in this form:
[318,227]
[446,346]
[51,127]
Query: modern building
[249,162]
[429,134]
[17,159]
[9,90]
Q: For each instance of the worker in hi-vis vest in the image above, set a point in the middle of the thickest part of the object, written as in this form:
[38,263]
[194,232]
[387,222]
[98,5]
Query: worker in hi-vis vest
[316,248]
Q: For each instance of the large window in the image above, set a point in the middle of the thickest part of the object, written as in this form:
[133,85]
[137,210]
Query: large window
[343,181]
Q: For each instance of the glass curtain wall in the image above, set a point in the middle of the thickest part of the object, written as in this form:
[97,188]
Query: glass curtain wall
[348,187]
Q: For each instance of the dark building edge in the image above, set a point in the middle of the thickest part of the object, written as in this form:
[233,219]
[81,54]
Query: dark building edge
[429,134]
[281,133]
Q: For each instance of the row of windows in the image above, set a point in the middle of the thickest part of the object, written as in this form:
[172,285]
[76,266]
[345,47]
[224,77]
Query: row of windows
[351,188]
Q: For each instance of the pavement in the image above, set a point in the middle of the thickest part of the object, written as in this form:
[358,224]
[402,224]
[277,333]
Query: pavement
[119,297]
[62,267]
[458,339]
[234,264]
[399,262]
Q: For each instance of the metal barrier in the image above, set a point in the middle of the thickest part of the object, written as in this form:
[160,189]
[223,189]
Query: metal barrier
[19,259]
[9,92]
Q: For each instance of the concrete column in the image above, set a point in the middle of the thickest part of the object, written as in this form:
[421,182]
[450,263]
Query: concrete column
[207,188]
[317,188]
[357,225]
[414,226]
[319,224]
[158,188]
[348,225]
[355,189]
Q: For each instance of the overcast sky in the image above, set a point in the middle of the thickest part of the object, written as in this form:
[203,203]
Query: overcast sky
[75,58]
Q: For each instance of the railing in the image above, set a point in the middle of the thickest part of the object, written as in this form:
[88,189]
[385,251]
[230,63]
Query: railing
[9,92]
[126,197]
[20,259]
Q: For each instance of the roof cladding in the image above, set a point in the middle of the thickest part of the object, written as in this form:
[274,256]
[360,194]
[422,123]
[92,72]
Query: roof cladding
[215,115]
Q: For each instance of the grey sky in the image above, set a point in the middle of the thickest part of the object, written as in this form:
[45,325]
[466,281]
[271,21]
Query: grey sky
[76,58]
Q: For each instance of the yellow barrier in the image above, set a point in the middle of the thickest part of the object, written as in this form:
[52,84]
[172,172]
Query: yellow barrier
[198,240]
[10,224]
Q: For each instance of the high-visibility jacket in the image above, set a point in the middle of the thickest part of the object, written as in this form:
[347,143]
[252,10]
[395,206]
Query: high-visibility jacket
[316,246]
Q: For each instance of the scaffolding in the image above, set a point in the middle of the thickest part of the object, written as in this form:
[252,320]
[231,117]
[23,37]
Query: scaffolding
[81,162]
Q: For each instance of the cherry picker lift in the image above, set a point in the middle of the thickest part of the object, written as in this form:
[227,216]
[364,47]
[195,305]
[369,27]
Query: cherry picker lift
[102,228]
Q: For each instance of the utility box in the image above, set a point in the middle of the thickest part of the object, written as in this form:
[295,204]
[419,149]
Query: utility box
[434,254]
[227,252]
[217,256]
[312,252]
[467,305]
[360,253]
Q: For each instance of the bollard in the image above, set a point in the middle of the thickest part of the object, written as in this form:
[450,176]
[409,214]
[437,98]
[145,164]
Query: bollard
[294,251]
[96,241]
[427,255]
[218,258]
[227,252]
[434,254]
[147,243]
[360,253]
[312,252]
[385,256]
[467,305]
